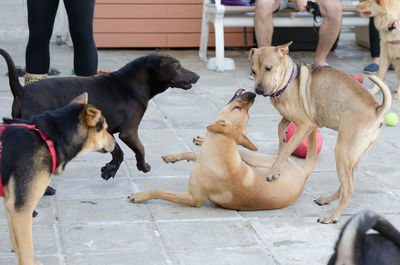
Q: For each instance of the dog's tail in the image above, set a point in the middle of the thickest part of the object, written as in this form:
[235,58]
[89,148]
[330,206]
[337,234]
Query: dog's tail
[15,85]
[350,243]
[311,157]
[384,108]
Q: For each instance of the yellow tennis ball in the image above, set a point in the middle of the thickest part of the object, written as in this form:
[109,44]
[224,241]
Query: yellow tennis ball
[391,119]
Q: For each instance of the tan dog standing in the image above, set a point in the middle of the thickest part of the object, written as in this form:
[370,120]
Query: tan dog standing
[386,20]
[233,178]
[314,97]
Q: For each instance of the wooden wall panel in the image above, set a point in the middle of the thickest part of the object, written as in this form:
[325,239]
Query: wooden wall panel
[155,23]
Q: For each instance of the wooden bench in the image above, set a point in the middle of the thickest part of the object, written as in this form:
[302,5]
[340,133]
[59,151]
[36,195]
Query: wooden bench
[243,16]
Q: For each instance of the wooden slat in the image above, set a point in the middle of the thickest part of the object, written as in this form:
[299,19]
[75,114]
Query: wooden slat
[153,26]
[147,11]
[149,1]
[172,40]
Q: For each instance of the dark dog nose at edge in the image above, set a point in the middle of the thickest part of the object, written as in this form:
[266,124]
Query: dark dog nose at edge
[197,76]
[259,90]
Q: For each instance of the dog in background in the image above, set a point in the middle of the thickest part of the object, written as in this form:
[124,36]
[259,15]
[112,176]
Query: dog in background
[355,247]
[27,161]
[312,96]
[386,18]
[122,96]
[233,178]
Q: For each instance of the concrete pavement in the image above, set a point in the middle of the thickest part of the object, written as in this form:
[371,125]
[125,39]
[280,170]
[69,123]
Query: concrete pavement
[90,221]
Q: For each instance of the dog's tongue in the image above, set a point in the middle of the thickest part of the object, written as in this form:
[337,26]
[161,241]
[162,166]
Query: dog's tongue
[240,92]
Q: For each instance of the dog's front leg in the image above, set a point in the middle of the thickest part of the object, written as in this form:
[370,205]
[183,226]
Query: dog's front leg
[397,92]
[131,138]
[302,131]
[188,156]
[383,67]
[283,124]
[111,168]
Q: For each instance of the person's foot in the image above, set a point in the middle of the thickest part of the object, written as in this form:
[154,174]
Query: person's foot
[371,68]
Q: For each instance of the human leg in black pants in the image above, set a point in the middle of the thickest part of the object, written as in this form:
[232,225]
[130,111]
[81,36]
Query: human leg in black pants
[80,19]
[41,15]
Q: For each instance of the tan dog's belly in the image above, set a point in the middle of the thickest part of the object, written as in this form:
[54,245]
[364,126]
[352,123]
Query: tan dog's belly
[248,190]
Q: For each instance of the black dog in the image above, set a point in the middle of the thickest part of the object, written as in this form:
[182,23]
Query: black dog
[354,247]
[122,96]
[28,158]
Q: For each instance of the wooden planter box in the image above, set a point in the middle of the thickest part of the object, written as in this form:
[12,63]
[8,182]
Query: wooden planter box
[156,24]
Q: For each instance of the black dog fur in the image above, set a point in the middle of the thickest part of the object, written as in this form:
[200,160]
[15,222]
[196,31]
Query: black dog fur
[355,247]
[122,96]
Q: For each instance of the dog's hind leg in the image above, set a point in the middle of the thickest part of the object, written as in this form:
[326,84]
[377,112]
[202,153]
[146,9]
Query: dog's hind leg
[348,152]
[188,156]
[184,198]
[397,91]
[327,200]
[111,168]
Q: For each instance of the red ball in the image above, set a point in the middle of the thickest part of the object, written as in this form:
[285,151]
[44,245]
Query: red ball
[301,150]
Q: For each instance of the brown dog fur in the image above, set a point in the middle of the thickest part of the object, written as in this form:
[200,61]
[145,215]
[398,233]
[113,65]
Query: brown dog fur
[385,12]
[23,191]
[320,97]
[233,178]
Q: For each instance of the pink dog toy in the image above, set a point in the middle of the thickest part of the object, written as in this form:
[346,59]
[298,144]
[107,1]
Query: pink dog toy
[301,150]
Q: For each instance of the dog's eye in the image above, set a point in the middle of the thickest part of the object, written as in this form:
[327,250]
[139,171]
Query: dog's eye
[237,107]
[268,68]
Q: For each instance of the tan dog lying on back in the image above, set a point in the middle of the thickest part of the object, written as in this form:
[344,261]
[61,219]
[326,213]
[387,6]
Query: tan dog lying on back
[386,20]
[314,97]
[233,178]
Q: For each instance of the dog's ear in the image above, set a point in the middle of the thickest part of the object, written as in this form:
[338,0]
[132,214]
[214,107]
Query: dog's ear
[283,49]
[93,116]
[81,99]
[245,142]
[154,63]
[251,53]
[219,126]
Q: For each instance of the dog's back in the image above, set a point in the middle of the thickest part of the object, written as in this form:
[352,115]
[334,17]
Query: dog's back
[355,247]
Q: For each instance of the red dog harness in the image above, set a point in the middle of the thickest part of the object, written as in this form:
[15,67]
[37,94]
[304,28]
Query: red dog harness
[32,127]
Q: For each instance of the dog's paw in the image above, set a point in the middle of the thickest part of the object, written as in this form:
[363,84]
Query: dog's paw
[272,175]
[322,201]
[199,140]
[136,197]
[328,220]
[49,191]
[109,171]
[169,158]
[143,167]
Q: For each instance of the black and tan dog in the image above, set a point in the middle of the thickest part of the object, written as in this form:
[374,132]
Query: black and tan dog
[122,96]
[27,161]
[355,247]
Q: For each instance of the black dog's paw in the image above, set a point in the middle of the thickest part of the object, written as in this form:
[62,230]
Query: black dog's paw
[49,191]
[143,167]
[109,171]
[34,214]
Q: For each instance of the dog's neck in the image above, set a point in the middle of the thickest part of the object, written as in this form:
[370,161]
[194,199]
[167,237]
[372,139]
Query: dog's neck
[288,77]
[383,21]
[222,151]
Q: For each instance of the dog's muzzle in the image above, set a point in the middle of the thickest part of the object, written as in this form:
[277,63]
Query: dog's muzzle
[260,90]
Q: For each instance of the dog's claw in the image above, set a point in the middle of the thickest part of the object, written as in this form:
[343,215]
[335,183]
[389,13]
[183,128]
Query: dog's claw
[34,214]
[49,191]
[109,171]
